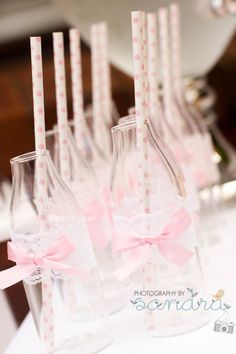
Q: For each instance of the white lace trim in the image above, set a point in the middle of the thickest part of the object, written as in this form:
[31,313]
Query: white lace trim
[83,257]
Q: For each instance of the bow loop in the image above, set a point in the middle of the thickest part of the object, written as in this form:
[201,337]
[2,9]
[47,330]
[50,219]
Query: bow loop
[27,262]
[140,245]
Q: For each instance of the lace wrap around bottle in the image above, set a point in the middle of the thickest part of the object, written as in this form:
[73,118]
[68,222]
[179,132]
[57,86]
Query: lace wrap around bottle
[60,255]
[139,245]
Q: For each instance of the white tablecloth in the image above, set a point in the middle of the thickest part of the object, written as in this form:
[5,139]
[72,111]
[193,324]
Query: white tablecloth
[128,336]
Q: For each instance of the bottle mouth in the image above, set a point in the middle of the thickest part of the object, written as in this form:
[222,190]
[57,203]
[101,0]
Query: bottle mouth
[125,123]
[29,156]
[52,132]
[129,119]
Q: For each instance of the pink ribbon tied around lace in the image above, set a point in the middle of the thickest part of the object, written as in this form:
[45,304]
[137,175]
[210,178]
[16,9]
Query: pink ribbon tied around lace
[94,215]
[139,245]
[27,263]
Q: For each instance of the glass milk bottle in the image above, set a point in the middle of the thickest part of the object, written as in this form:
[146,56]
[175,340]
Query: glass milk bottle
[158,244]
[69,317]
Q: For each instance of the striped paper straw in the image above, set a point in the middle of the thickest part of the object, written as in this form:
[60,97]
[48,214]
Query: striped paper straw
[61,101]
[41,197]
[154,103]
[77,87]
[140,105]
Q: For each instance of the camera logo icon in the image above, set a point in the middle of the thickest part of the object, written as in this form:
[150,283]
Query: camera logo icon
[224,326]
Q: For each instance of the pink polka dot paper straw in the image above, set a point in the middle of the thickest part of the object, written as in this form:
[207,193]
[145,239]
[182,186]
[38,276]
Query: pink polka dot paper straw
[165,63]
[138,36]
[141,108]
[152,50]
[101,134]
[96,92]
[105,73]
[175,50]
[61,101]
[171,112]
[41,193]
[62,115]
[144,46]
[39,126]
[77,86]
[38,95]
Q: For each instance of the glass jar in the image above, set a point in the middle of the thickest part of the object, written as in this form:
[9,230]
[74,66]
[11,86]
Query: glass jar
[154,265]
[44,218]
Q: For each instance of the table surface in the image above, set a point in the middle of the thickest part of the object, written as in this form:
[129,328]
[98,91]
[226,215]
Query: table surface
[127,332]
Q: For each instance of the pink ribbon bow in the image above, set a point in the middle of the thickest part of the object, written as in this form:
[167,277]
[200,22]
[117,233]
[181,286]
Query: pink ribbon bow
[94,217]
[26,262]
[140,245]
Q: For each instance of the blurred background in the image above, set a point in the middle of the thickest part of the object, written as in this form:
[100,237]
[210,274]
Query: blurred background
[20,19]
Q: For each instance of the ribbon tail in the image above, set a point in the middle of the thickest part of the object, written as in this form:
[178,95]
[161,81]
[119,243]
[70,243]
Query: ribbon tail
[174,253]
[134,260]
[14,275]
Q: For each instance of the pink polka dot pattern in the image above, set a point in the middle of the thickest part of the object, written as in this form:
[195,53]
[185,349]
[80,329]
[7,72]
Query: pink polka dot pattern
[41,182]
[152,65]
[61,100]
[39,121]
[77,87]
[101,87]
[165,63]
[138,20]
[174,13]
[38,97]
[48,325]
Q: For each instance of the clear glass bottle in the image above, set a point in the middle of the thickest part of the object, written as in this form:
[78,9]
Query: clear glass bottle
[88,146]
[198,144]
[105,143]
[156,270]
[90,197]
[176,154]
[93,154]
[69,317]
